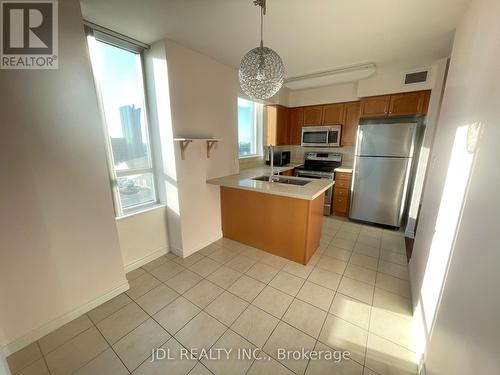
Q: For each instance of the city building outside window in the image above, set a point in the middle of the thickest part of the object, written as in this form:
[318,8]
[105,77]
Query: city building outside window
[250,121]
[120,85]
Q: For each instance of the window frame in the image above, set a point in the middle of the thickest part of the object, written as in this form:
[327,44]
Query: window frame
[114,39]
[258,129]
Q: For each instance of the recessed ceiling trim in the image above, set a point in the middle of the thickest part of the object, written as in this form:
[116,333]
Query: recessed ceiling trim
[330,77]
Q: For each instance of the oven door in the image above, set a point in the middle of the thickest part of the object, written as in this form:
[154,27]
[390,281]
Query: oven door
[328,193]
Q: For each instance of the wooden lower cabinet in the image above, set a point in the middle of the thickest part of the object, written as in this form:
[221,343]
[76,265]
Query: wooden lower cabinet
[287,227]
[341,193]
[287,173]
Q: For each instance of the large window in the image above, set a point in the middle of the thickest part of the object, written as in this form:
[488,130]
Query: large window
[250,118]
[118,73]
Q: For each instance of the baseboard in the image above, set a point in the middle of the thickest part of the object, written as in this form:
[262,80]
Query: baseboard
[176,251]
[146,259]
[421,367]
[4,367]
[410,234]
[186,253]
[45,329]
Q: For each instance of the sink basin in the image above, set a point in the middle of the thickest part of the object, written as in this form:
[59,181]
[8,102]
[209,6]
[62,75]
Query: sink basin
[283,180]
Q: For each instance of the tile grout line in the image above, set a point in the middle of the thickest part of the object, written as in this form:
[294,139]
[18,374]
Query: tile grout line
[109,347]
[255,261]
[329,308]
[43,356]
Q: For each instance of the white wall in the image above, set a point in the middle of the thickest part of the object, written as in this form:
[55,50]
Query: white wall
[162,137]
[390,79]
[387,80]
[345,92]
[457,239]
[59,245]
[202,98]
[440,72]
[143,237]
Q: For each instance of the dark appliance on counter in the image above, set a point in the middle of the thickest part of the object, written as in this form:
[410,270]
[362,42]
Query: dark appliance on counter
[321,165]
[281,158]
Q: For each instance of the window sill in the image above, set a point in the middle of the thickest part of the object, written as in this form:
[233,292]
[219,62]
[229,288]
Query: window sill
[141,210]
[248,157]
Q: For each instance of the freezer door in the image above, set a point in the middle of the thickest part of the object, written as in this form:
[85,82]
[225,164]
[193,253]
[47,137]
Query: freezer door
[386,139]
[379,188]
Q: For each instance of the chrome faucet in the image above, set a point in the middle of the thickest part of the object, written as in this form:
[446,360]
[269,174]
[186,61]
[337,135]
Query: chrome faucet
[271,162]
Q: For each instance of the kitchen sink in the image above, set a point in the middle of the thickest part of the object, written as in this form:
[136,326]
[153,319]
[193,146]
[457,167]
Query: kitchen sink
[283,180]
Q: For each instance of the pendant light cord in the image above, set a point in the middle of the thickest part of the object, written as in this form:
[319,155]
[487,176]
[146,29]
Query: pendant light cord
[261,26]
[262,5]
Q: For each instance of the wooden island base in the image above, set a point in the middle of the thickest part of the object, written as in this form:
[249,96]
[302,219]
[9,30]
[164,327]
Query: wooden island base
[283,226]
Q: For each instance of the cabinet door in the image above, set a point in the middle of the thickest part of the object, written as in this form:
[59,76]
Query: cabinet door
[350,123]
[296,123]
[282,126]
[271,118]
[277,125]
[341,193]
[333,114]
[313,115]
[375,106]
[341,201]
[411,103]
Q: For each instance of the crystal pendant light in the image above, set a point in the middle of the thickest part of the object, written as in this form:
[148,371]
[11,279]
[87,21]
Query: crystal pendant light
[261,70]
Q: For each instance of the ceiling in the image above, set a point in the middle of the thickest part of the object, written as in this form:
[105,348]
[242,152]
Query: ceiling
[310,35]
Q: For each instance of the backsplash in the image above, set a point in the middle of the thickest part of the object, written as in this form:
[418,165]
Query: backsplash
[253,162]
[297,155]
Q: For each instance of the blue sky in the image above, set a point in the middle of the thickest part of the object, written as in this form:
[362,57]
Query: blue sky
[120,80]
[244,120]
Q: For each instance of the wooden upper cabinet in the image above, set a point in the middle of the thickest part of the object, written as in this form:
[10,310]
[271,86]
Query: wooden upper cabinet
[412,103]
[313,115]
[296,122]
[375,106]
[350,123]
[277,125]
[283,126]
[333,114]
[405,104]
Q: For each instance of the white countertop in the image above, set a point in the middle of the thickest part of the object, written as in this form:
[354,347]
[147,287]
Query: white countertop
[266,170]
[244,181]
[343,170]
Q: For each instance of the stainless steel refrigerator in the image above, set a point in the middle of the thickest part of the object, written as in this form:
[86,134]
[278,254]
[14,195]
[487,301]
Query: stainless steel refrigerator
[382,168]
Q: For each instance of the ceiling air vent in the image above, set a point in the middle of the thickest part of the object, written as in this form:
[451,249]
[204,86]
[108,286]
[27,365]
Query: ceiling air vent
[421,76]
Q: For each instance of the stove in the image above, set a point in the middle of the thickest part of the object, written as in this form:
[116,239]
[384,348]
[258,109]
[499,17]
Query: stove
[321,165]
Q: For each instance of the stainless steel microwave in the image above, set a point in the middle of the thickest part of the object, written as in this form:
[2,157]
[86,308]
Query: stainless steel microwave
[321,136]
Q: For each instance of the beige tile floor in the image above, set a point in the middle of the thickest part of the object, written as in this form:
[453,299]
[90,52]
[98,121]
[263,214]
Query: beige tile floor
[353,295]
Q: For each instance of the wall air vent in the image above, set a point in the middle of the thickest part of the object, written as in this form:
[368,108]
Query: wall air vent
[421,76]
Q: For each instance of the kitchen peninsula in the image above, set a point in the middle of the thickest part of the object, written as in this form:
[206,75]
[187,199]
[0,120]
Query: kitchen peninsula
[280,217]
